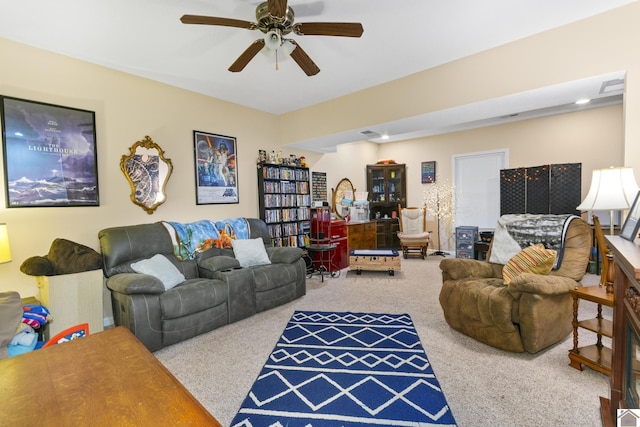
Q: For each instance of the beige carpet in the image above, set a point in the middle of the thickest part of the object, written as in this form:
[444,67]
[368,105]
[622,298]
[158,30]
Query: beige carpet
[484,386]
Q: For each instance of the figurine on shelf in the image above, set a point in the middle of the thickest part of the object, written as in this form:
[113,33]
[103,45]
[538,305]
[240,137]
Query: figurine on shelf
[303,162]
[262,156]
[272,157]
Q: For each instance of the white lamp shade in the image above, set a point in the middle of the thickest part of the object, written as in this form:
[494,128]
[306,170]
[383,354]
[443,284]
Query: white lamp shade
[283,50]
[5,249]
[611,189]
[273,39]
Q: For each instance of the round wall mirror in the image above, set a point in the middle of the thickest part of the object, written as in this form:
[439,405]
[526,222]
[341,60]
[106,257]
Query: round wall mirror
[344,187]
[147,171]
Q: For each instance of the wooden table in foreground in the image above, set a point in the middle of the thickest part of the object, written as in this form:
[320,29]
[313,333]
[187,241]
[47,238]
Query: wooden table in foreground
[105,379]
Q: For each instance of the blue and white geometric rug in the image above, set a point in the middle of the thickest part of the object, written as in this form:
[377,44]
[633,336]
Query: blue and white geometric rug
[346,369]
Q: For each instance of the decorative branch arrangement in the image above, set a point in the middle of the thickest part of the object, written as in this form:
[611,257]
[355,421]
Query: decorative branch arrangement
[439,198]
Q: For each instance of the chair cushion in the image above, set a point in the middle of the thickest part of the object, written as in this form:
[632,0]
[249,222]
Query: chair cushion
[482,309]
[414,238]
[533,259]
[412,220]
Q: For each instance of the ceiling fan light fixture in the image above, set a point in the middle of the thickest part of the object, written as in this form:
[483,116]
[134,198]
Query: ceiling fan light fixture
[286,47]
[273,39]
[274,43]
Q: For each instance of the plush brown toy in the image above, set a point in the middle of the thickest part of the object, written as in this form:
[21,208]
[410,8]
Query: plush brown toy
[64,257]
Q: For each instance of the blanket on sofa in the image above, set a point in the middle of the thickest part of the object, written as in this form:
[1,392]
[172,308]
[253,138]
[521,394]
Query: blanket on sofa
[190,239]
[516,232]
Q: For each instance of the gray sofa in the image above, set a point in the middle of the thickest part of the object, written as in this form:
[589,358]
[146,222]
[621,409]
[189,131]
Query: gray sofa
[217,291]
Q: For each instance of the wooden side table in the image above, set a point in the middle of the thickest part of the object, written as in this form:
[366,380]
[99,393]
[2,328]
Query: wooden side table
[595,356]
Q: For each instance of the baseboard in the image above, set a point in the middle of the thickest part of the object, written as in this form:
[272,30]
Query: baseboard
[108,322]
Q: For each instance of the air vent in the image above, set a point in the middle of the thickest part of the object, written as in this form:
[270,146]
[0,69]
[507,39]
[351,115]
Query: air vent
[370,134]
[614,85]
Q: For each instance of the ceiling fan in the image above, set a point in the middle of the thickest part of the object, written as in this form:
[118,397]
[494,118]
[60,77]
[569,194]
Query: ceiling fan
[276,20]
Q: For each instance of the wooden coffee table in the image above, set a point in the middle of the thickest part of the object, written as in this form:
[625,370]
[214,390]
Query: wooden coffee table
[105,379]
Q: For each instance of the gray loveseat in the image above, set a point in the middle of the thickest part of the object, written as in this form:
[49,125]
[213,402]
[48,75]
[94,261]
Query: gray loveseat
[217,291]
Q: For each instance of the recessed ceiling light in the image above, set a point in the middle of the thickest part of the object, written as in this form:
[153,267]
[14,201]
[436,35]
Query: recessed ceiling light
[583,101]
[385,136]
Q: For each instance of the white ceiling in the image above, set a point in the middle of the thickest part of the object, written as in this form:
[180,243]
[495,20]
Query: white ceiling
[146,38]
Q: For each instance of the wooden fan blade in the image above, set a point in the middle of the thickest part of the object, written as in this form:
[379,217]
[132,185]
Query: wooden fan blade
[303,60]
[212,20]
[342,29]
[277,8]
[247,56]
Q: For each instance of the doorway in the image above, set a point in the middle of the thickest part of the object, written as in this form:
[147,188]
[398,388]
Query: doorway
[476,177]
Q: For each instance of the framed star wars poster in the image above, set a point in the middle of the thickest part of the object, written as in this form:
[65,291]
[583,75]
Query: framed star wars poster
[216,166]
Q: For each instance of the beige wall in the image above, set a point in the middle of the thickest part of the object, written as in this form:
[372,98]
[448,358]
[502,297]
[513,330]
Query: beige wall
[591,137]
[349,161]
[128,108]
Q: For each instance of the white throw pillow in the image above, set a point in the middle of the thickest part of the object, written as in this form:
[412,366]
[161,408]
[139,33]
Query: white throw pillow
[250,252]
[160,267]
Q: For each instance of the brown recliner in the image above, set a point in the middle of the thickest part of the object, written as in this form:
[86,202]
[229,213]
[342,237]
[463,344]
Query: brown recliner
[529,314]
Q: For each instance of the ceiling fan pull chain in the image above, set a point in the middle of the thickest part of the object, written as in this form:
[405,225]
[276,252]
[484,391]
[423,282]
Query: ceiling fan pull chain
[276,59]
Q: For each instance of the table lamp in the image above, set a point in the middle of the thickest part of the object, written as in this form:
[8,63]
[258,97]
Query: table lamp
[5,249]
[611,189]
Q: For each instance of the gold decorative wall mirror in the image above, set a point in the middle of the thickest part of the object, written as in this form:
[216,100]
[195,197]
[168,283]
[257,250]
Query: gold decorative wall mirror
[344,191]
[147,171]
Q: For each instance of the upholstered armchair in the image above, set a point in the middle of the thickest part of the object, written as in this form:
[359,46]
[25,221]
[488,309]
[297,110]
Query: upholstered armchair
[413,233]
[524,312]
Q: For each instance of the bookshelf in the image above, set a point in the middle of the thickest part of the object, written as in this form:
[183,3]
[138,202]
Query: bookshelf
[284,202]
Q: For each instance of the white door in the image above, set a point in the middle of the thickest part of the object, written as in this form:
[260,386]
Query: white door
[476,178]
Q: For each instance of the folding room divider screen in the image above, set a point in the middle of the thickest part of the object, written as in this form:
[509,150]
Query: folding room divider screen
[546,189]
